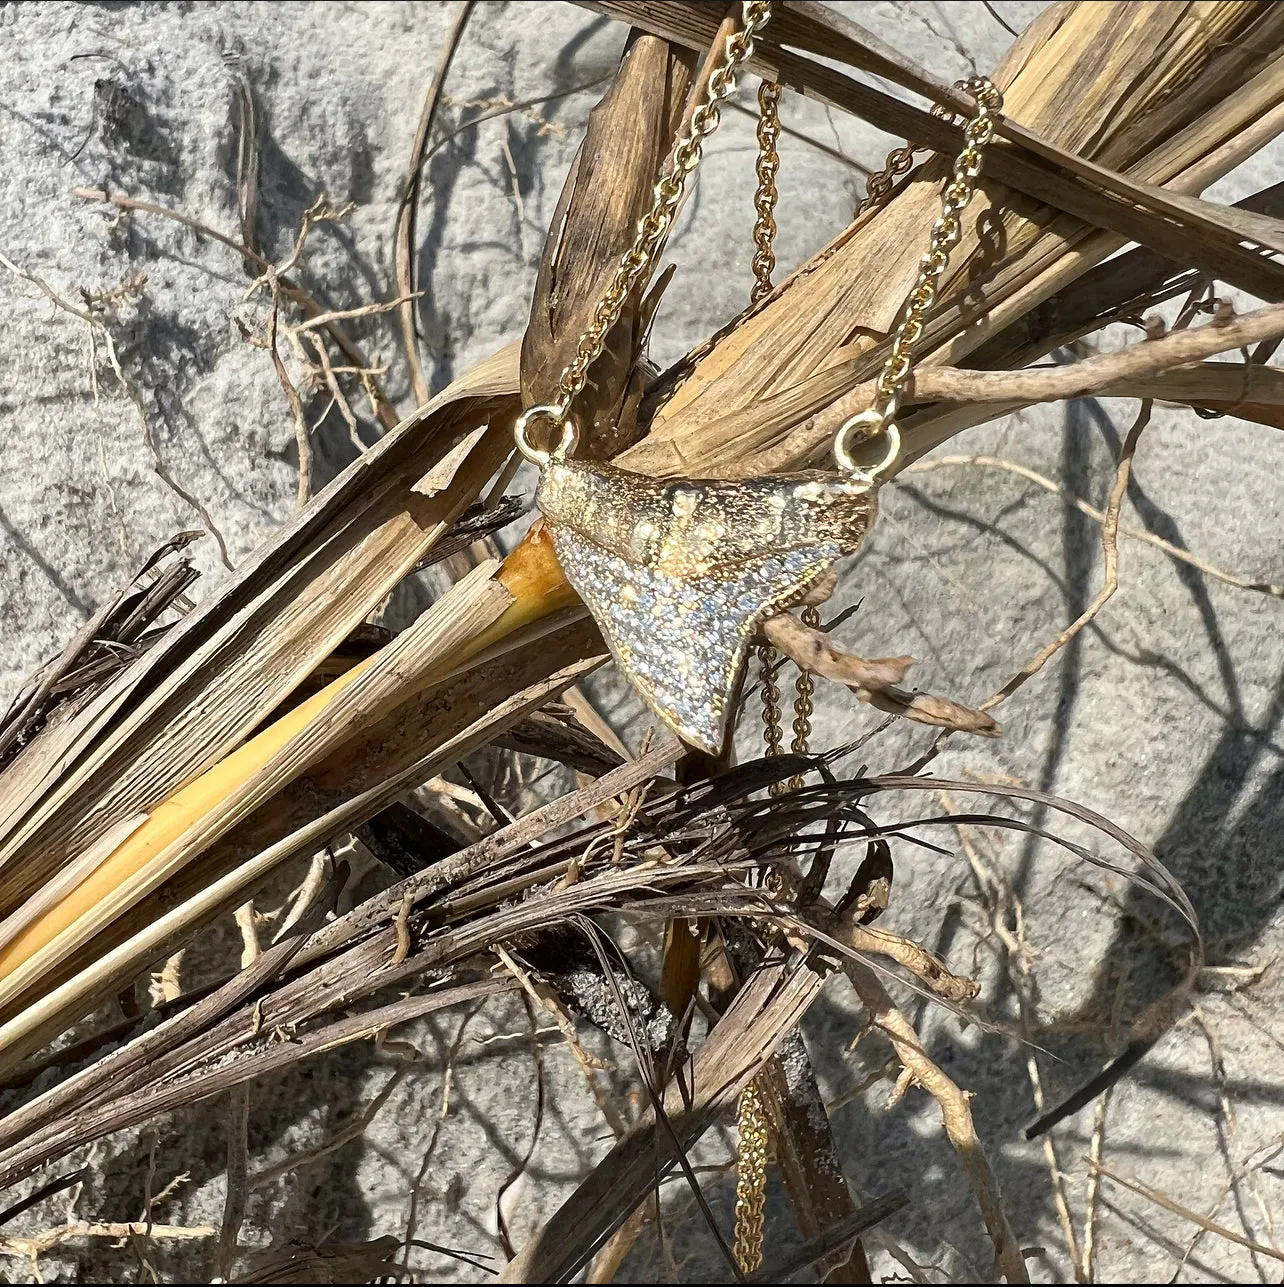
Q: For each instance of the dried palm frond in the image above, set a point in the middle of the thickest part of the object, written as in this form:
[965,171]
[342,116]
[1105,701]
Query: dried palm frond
[166,791]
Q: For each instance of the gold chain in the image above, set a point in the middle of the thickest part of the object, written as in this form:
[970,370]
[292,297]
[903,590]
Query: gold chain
[652,229]
[764,200]
[900,160]
[753,1128]
[764,262]
[753,1125]
[946,231]
[754,1135]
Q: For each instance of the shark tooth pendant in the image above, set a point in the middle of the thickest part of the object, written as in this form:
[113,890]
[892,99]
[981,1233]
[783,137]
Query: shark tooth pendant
[679,575]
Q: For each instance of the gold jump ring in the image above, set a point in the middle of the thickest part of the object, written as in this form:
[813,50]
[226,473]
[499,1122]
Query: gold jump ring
[868,425]
[556,415]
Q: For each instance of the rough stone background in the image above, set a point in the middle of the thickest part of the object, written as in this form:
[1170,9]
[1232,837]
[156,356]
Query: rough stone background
[1164,716]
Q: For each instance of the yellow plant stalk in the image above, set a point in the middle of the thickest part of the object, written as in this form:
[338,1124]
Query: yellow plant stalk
[530,574]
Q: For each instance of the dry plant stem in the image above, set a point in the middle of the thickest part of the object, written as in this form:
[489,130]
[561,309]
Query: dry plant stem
[1110,578]
[408,210]
[41,1244]
[915,958]
[28,703]
[1036,166]
[873,682]
[238,1162]
[246,922]
[545,998]
[1093,1202]
[1092,376]
[607,1263]
[1134,533]
[302,434]
[248,155]
[192,1076]
[384,409]
[956,1114]
[1209,1226]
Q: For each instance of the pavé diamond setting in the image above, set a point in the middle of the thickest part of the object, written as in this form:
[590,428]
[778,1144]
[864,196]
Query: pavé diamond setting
[679,575]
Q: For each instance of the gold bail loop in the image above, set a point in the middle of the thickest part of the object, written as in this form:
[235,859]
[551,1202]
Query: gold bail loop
[557,415]
[858,430]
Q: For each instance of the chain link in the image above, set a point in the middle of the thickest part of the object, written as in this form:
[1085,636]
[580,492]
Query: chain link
[900,160]
[764,200]
[946,232]
[753,1140]
[771,719]
[804,688]
[652,230]
[878,187]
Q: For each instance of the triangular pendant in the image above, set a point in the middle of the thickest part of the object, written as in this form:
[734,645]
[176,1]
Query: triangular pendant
[679,575]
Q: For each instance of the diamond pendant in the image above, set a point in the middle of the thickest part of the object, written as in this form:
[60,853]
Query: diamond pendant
[680,575]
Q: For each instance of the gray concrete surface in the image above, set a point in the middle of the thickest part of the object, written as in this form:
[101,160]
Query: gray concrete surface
[1165,716]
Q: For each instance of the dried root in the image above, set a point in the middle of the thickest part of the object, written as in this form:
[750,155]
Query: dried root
[873,681]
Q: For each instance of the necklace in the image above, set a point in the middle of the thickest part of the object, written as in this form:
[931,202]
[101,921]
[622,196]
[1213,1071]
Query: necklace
[680,574]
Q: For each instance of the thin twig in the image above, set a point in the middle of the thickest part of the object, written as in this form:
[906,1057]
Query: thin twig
[1049,384]
[1163,1200]
[998,17]
[607,1263]
[1110,554]
[42,1243]
[873,682]
[408,209]
[1093,1203]
[302,434]
[246,922]
[518,1173]
[384,409]
[913,956]
[1135,533]
[956,1114]
[347,314]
